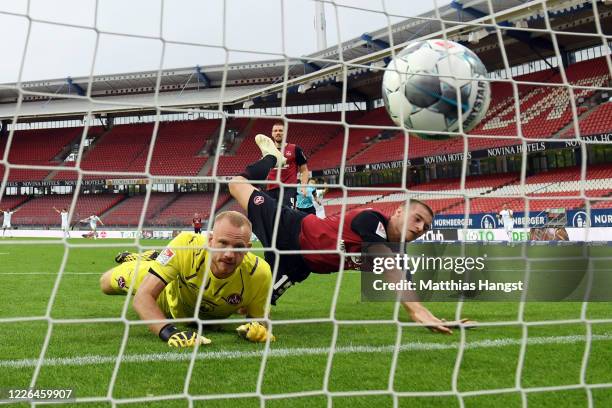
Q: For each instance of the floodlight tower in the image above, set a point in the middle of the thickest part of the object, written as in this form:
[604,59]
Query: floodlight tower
[320,27]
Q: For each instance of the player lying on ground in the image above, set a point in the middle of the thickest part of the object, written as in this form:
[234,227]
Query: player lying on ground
[167,285]
[93,221]
[300,231]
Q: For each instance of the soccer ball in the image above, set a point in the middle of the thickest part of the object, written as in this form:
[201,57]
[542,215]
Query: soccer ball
[422,84]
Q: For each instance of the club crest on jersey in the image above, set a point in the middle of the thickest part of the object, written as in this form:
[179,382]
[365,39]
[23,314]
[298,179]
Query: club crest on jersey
[234,299]
[165,256]
[258,200]
[380,230]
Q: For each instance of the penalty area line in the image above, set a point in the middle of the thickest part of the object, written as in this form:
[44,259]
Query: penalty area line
[294,352]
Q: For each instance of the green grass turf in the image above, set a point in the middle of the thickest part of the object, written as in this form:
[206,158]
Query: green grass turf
[363,359]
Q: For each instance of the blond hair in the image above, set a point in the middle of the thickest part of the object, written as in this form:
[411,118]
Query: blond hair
[235,218]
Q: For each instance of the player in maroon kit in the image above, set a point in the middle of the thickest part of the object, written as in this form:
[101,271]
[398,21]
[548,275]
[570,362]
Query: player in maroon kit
[197,223]
[295,163]
[300,231]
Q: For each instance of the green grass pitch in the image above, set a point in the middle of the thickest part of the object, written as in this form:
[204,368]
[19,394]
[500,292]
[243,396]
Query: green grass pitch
[82,355]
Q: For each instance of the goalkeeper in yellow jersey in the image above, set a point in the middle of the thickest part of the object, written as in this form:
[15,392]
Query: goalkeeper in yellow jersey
[168,286]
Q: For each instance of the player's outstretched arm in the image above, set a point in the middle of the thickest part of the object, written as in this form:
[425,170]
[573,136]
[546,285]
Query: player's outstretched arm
[420,314]
[304,177]
[258,308]
[145,301]
[145,304]
[409,299]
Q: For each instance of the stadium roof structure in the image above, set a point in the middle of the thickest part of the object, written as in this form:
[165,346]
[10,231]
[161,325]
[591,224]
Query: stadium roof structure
[318,78]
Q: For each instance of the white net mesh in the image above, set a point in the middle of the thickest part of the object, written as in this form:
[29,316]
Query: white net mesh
[333,349]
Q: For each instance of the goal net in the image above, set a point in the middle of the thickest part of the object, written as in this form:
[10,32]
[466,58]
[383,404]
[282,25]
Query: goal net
[150,148]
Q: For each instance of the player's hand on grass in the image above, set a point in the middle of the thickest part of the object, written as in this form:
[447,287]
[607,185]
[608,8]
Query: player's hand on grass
[255,332]
[426,318]
[181,338]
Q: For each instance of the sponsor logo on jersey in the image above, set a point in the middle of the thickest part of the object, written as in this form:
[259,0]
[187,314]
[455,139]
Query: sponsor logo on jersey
[234,299]
[353,262]
[258,200]
[380,230]
[121,282]
[165,256]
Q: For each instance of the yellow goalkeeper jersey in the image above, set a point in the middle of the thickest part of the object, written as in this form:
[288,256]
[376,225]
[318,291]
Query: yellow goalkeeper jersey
[183,264]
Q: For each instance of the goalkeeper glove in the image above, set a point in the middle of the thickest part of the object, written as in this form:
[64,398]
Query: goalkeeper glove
[177,338]
[255,332]
[130,256]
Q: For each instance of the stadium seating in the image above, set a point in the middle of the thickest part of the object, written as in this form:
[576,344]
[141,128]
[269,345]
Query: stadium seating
[180,211]
[38,148]
[545,190]
[308,135]
[39,211]
[125,149]
[542,189]
[330,154]
[596,122]
[177,147]
[234,206]
[127,212]
[10,202]
[545,110]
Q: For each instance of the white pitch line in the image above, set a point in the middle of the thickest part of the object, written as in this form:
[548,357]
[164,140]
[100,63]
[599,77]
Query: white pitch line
[291,352]
[100,273]
[50,273]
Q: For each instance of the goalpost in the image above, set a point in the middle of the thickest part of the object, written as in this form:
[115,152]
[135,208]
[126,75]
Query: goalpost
[404,337]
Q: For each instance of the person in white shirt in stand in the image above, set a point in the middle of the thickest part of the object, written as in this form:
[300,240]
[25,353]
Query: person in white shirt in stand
[64,215]
[6,223]
[507,219]
[93,224]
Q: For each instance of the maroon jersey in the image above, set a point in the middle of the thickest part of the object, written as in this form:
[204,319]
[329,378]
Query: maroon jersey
[295,158]
[197,222]
[360,225]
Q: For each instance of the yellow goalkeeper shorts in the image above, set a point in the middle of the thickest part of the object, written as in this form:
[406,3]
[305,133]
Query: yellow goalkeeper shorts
[131,274]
